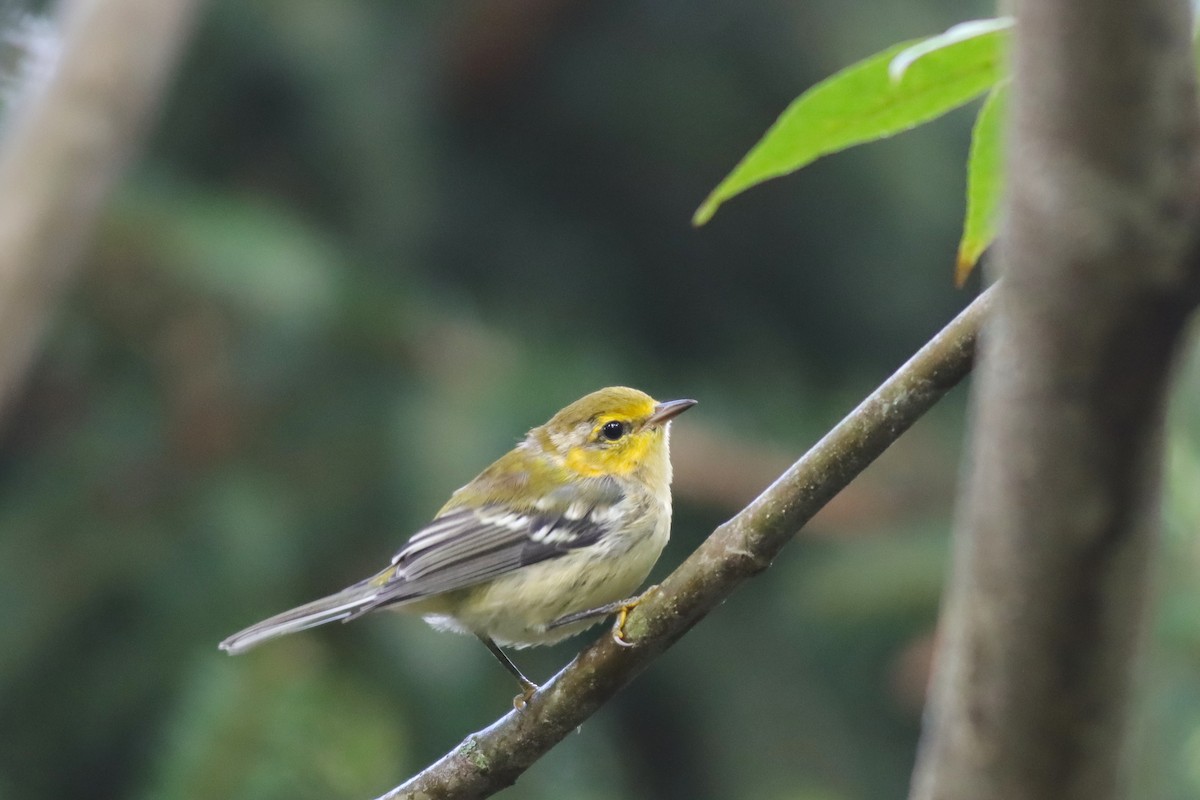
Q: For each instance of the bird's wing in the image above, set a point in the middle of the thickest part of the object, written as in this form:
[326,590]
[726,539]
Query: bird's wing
[465,546]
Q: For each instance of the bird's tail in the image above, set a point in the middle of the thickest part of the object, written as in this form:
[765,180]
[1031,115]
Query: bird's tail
[335,607]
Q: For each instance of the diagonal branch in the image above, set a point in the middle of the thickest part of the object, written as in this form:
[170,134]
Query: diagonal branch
[492,759]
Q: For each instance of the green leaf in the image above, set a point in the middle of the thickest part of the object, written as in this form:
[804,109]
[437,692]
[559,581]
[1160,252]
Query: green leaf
[959,33]
[861,104]
[985,183]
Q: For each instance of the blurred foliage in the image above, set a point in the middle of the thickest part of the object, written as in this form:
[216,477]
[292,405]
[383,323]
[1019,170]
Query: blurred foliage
[371,243]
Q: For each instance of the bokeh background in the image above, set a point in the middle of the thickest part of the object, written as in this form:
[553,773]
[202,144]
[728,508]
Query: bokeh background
[367,245]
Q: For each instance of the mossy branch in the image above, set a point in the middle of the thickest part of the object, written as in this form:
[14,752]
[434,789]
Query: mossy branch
[493,758]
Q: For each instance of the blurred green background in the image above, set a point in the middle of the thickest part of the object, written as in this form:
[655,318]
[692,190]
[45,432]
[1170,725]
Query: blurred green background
[367,246]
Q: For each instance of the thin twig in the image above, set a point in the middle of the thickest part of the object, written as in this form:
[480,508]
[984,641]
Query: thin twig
[492,759]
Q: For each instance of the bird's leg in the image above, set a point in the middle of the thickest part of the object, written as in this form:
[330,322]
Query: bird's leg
[528,687]
[621,608]
[606,610]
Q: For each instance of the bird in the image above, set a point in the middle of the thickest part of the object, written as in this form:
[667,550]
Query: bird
[551,538]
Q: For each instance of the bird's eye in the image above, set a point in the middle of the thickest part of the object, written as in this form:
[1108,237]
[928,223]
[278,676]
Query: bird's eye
[613,430]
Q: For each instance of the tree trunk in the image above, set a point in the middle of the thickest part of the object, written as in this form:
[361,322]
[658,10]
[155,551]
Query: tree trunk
[1058,520]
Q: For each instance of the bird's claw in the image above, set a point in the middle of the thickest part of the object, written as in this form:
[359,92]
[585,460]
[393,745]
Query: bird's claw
[528,688]
[618,629]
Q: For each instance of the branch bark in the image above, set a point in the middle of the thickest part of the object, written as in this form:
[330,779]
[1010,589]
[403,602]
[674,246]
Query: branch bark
[64,151]
[494,758]
[1057,523]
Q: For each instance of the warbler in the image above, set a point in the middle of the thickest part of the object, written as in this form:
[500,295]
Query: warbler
[544,543]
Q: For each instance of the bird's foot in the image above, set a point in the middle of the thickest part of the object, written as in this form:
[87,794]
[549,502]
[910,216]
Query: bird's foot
[618,629]
[528,688]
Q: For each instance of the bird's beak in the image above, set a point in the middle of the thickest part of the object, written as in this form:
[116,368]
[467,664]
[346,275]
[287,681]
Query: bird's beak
[665,412]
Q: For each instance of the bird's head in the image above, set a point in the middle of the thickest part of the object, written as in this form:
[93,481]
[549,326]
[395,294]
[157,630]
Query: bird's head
[615,431]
